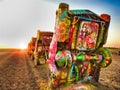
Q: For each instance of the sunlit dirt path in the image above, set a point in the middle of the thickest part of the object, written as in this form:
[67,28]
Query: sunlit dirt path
[15,72]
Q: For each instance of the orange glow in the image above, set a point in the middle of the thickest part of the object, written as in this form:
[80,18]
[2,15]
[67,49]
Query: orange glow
[113,44]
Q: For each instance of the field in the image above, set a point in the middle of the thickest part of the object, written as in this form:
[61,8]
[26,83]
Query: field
[17,72]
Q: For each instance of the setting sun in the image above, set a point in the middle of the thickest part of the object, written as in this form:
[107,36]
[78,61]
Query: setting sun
[22,46]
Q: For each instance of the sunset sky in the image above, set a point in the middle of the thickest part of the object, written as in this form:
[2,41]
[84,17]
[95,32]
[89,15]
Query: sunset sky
[20,19]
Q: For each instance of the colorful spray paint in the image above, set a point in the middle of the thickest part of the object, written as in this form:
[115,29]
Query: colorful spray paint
[76,52]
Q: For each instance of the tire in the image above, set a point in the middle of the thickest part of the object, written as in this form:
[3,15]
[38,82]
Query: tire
[107,57]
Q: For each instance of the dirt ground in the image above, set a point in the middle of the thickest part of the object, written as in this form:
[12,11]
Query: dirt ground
[17,72]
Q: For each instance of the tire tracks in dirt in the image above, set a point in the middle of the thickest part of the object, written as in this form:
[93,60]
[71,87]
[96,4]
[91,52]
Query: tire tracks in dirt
[14,73]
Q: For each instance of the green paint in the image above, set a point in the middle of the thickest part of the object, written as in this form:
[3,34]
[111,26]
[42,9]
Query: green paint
[81,57]
[63,15]
[77,73]
[95,57]
[79,11]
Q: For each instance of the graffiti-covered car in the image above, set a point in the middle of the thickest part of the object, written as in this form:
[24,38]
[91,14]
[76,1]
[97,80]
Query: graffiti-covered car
[31,47]
[76,51]
[42,47]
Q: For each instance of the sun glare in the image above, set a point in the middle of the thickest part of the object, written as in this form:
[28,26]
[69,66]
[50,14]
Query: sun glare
[22,46]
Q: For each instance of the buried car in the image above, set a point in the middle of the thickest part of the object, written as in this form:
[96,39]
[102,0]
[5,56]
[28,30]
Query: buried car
[76,50]
[42,47]
[31,47]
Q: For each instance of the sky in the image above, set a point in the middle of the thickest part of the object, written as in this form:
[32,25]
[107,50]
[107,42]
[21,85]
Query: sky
[20,19]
